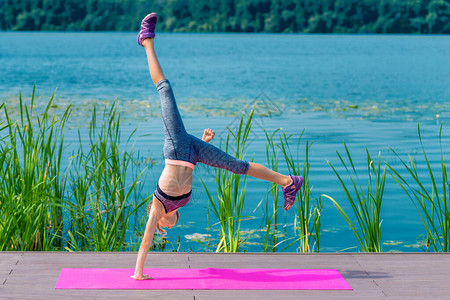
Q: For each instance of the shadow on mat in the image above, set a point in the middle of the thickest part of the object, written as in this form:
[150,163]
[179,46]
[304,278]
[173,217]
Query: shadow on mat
[348,274]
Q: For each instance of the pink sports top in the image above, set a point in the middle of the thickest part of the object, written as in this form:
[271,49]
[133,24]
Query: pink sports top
[179,163]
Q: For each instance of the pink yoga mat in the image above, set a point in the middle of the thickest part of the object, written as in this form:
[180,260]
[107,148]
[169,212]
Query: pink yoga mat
[203,279]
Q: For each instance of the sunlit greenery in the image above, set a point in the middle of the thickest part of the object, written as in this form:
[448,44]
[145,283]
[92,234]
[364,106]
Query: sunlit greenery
[307,221]
[229,204]
[288,16]
[365,202]
[85,206]
[430,194]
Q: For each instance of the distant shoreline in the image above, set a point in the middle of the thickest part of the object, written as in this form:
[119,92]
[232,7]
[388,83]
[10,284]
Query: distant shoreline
[288,16]
[234,33]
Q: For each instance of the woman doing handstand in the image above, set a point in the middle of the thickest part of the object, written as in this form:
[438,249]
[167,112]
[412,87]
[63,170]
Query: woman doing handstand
[181,152]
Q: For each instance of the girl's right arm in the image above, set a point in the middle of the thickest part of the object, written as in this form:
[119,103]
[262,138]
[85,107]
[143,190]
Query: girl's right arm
[155,215]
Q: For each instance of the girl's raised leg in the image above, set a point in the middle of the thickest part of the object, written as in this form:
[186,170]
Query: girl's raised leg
[173,124]
[153,63]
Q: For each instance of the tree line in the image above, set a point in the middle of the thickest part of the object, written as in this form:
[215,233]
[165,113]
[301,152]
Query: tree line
[279,16]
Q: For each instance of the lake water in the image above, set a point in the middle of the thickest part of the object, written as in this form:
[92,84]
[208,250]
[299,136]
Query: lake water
[367,91]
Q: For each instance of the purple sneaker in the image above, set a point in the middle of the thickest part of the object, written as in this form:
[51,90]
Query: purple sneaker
[147,27]
[290,191]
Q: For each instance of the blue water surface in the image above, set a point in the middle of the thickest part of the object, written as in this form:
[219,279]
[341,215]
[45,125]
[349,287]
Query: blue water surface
[367,91]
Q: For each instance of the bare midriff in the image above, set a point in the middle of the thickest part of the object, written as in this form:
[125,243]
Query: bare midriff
[179,163]
[176,180]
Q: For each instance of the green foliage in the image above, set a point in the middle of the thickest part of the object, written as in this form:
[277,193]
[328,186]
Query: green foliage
[37,209]
[231,191]
[271,232]
[366,207]
[433,205]
[100,205]
[88,205]
[307,221]
[31,180]
[288,16]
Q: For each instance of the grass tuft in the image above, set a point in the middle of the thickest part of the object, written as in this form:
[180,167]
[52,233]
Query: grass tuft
[366,206]
[431,203]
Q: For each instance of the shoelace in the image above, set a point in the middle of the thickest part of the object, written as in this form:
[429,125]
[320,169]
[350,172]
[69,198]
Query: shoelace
[290,187]
[148,26]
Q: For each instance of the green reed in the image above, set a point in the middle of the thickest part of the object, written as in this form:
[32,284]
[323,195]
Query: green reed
[307,221]
[100,206]
[231,191]
[38,211]
[271,232]
[89,204]
[432,203]
[366,206]
[31,181]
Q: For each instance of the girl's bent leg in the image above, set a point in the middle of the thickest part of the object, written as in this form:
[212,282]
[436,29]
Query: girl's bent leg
[261,172]
[212,156]
[215,157]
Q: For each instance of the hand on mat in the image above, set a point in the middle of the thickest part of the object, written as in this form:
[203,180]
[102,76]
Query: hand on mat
[208,135]
[144,277]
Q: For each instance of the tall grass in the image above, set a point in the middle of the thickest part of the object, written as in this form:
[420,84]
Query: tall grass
[100,207]
[31,181]
[271,231]
[366,206]
[431,203]
[38,210]
[89,201]
[307,221]
[231,191]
